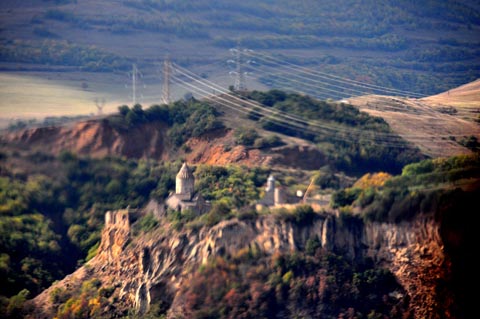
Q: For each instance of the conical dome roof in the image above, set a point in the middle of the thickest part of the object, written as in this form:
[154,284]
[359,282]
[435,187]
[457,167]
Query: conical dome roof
[185,172]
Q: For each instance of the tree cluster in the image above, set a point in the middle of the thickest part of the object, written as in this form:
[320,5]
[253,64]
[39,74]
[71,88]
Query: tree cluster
[355,143]
[315,285]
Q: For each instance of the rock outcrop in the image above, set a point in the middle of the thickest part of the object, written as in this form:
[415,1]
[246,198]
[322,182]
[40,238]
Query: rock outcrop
[98,138]
[155,265]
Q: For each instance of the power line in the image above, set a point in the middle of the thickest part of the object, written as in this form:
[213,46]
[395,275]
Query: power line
[287,119]
[166,81]
[393,141]
[100,104]
[330,77]
[312,86]
[295,119]
[240,64]
[313,90]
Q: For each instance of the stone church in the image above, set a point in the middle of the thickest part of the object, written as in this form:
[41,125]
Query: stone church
[185,196]
[276,196]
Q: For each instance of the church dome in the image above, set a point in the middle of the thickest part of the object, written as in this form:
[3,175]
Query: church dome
[270,184]
[185,172]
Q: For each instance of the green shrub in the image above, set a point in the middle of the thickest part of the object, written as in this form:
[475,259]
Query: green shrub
[144,224]
[92,252]
[268,142]
[312,245]
[245,136]
[58,295]
[345,197]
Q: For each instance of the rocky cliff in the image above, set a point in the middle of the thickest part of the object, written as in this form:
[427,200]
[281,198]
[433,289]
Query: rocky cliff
[154,266]
[96,138]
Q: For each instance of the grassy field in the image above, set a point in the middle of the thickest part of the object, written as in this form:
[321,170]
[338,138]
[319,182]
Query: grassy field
[436,133]
[466,96]
[27,96]
[30,95]
[426,47]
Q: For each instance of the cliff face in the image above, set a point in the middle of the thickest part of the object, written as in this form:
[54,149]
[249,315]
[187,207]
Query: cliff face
[97,138]
[155,266]
[414,253]
[94,138]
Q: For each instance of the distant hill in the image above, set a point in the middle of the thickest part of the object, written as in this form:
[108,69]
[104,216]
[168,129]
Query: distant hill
[465,96]
[426,47]
[440,125]
[286,130]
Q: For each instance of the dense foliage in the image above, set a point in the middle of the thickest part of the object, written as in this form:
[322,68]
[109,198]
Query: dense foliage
[185,119]
[51,219]
[231,189]
[307,285]
[30,247]
[352,140]
[57,209]
[60,52]
[446,189]
[435,186]
[424,47]
[90,302]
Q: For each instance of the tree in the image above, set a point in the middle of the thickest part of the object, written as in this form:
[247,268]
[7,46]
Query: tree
[15,305]
[123,110]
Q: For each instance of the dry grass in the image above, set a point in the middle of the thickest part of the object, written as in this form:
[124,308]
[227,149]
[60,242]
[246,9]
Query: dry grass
[420,122]
[23,95]
[465,96]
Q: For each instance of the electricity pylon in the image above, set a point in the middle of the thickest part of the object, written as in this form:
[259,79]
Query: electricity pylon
[240,64]
[167,72]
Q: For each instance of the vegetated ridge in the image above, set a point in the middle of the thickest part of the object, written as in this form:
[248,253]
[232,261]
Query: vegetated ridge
[202,132]
[319,264]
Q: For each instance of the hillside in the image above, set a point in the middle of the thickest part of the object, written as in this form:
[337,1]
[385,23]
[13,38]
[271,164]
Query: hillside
[332,148]
[57,182]
[413,263]
[440,125]
[262,133]
[424,48]
[98,139]
[466,97]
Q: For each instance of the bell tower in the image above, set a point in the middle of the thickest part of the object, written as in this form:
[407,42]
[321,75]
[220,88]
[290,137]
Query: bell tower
[184,183]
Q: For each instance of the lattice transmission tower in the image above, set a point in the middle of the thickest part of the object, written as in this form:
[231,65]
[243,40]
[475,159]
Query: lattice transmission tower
[100,104]
[240,64]
[167,73]
[135,77]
